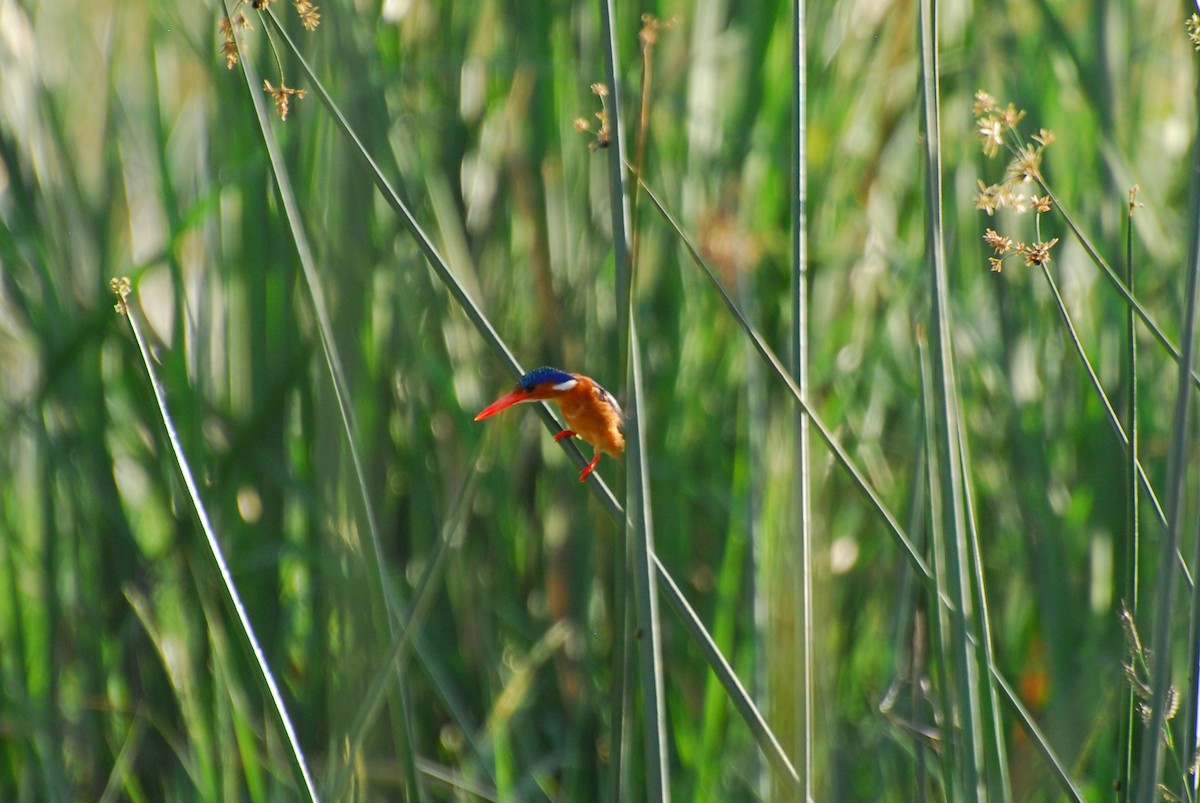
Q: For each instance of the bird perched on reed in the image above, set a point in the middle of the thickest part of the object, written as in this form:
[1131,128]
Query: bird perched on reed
[590,411]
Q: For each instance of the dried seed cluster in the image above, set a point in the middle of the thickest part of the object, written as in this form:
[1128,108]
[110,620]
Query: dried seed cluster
[231,47]
[997,129]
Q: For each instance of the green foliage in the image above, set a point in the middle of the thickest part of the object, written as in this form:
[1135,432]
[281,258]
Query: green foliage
[446,612]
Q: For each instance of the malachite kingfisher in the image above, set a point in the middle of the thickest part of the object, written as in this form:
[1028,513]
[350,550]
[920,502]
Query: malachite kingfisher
[590,411]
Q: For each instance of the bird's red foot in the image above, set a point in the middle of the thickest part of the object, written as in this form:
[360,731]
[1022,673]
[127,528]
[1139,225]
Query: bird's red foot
[566,433]
[589,468]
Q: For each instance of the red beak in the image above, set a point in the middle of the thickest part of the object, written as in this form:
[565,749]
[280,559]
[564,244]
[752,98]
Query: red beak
[503,403]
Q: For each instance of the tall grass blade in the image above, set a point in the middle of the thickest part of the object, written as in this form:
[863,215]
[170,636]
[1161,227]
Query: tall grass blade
[939,618]
[232,597]
[946,407]
[1191,728]
[803,616]
[1177,463]
[639,525]
[1133,469]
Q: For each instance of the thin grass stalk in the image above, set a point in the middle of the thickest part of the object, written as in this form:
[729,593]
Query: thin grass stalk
[784,375]
[803,615]
[1132,504]
[1160,641]
[922,504]
[983,638]
[1117,284]
[742,702]
[640,528]
[232,597]
[1191,698]
[1113,419]
[939,620]
[1037,738]
[946,405]
[621,693]
[639,522]
[619,211]
[621,701]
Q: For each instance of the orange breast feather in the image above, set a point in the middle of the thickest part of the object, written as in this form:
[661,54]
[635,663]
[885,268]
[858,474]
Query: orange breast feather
[594,415]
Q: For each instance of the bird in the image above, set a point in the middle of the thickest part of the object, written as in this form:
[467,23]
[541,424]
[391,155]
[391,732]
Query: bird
[590,411]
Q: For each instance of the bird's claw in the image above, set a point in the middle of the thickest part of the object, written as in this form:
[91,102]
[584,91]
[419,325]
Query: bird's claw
[566,433]
[589,468]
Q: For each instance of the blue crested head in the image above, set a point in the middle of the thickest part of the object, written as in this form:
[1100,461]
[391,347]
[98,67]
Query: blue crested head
[541,375]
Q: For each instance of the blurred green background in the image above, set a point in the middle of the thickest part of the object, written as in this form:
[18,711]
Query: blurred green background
[128,148]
